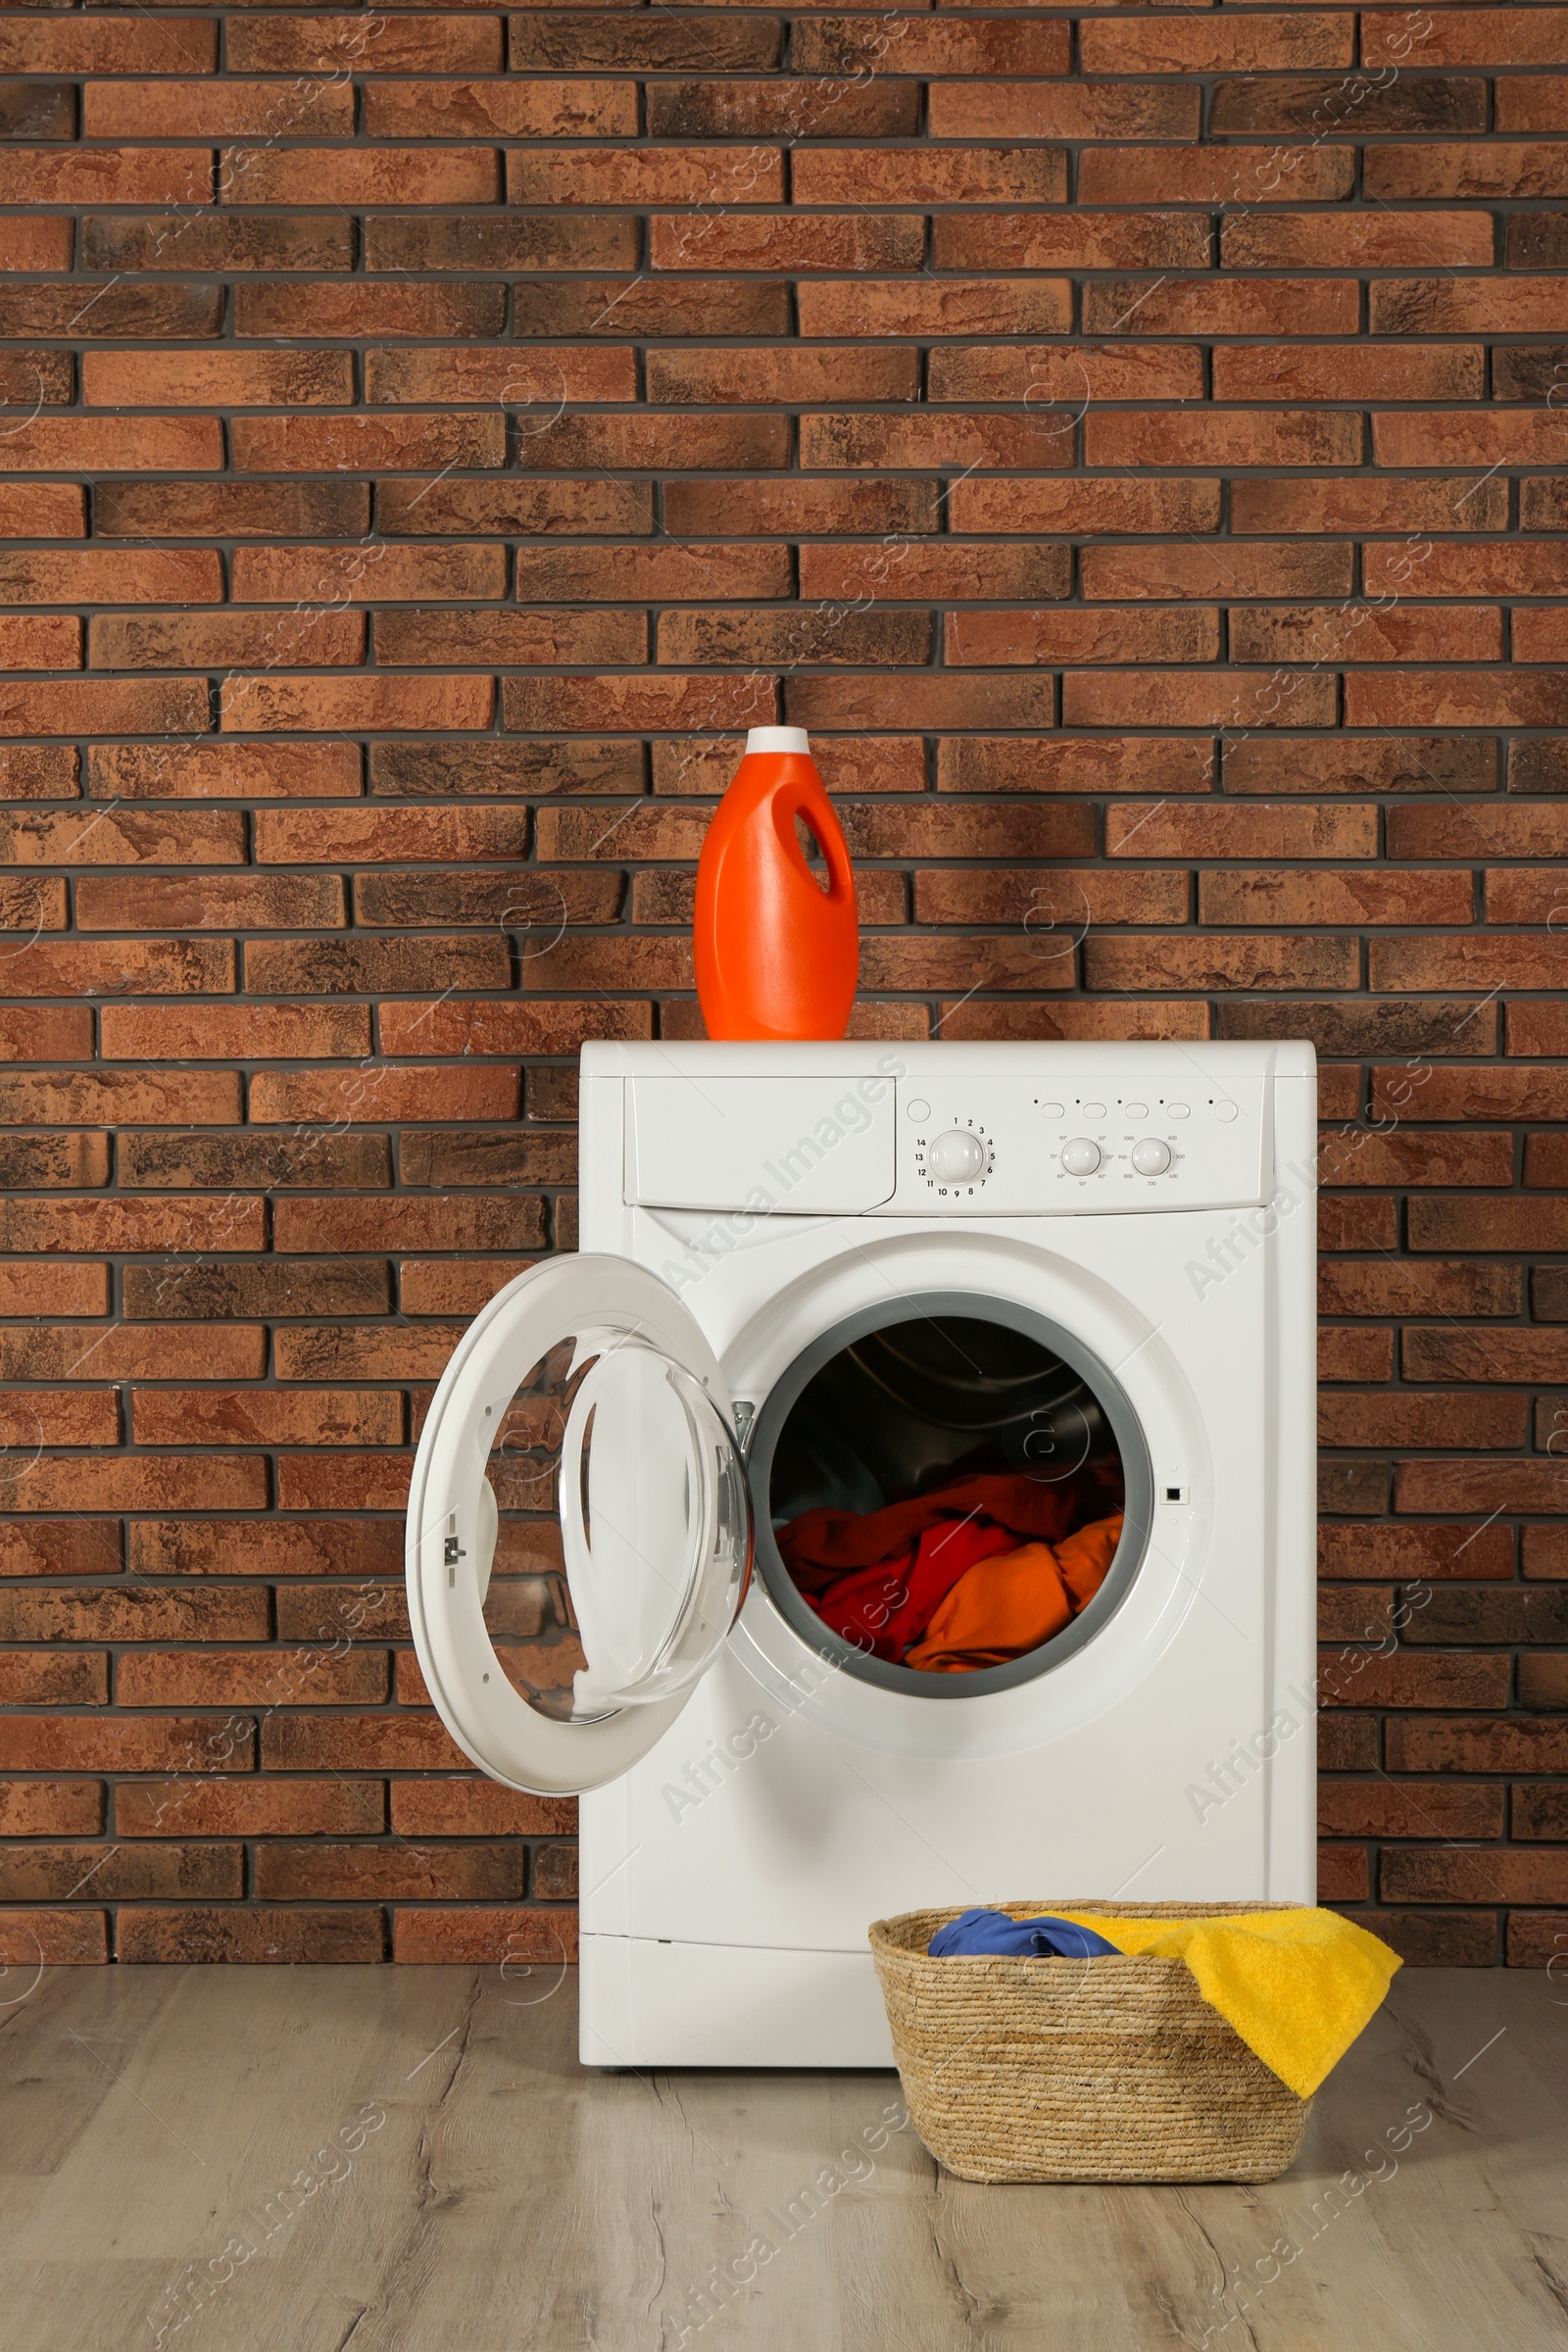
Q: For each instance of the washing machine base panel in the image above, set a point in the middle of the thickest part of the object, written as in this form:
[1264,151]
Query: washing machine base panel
[646,2003]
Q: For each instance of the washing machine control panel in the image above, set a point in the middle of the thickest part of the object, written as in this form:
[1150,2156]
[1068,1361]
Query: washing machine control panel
[1017,1151]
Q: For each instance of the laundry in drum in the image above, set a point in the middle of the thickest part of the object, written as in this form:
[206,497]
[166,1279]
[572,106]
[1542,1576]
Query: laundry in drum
[962,1494]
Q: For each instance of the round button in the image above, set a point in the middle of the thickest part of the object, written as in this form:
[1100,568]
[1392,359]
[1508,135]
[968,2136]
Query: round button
[1080,1157]
[1136,1110]
[917,1109]
[1226,1112]
[955,1157]
[1176,1111]
[1094,1111]
[1051,1110]
[1151,1158]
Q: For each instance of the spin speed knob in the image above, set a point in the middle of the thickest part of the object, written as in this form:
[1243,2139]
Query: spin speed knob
[1151,1158]
[1080,1157]
[955,1157]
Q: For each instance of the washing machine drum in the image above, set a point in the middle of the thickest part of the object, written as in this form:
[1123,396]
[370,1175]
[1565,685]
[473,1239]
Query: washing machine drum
[928,1394]
[914,1440]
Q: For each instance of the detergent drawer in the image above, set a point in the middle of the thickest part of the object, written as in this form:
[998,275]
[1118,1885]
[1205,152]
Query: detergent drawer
[801,1144]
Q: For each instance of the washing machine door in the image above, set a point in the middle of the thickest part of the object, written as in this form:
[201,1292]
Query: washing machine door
[582,1426]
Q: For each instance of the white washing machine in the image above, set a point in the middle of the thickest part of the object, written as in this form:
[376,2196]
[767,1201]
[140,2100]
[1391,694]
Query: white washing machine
[821,1278]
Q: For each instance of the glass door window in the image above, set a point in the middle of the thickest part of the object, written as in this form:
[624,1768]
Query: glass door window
[581,1428]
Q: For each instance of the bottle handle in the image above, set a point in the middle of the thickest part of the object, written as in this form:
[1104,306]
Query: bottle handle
[790,803]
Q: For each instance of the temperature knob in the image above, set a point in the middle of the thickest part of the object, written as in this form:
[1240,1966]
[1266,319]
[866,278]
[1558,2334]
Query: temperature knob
[955,1157]
[1080,1157]
[1151,1158]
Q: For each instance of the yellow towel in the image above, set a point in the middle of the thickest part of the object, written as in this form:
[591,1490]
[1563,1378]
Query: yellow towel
[1298,1986]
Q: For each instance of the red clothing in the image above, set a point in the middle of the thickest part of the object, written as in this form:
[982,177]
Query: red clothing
[883,1608]
[822,1544]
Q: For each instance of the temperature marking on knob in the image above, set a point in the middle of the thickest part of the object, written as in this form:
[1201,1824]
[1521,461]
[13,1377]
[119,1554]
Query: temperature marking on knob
[1080,1157]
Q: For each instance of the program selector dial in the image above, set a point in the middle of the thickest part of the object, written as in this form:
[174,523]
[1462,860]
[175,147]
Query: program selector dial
[1151,1157]
[1081,1158]
[955,1157]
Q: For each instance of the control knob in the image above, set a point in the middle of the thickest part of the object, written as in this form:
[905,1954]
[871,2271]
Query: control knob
[955,1157]
[1151,1157]
[1080,1157]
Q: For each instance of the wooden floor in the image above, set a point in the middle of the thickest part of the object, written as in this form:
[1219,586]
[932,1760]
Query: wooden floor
[308,2159]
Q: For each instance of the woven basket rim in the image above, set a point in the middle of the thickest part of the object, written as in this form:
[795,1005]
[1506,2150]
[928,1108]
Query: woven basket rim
[894,1935]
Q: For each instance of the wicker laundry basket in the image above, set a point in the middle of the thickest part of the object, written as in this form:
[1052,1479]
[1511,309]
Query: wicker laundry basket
[1109,2068]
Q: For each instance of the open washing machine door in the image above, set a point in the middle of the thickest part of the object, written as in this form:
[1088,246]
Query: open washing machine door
[584,1392]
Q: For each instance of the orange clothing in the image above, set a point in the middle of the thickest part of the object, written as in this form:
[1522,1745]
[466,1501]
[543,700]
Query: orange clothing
[1001,1609]
[1016,1600]
[1084,1557]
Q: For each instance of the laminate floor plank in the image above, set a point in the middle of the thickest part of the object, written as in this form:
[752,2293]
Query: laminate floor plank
[53,2084]
[412,2160]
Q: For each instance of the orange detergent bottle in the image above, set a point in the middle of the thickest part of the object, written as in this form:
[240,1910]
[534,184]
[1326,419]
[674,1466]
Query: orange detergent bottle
[776,952]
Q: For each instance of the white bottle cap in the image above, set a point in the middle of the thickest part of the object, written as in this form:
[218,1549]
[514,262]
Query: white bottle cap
[777,739]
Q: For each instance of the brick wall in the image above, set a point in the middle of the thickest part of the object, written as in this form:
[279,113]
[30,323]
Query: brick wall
[1125,439]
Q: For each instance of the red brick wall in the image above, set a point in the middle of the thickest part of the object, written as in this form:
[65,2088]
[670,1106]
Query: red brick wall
[1125,439]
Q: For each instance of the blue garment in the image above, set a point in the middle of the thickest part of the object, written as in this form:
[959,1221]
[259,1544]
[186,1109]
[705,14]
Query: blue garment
[994,1933]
